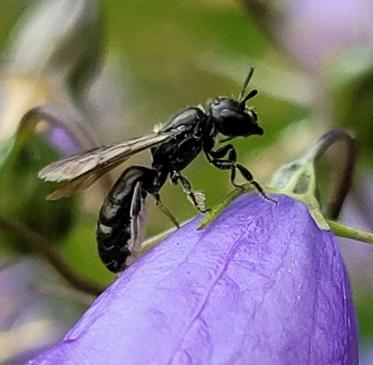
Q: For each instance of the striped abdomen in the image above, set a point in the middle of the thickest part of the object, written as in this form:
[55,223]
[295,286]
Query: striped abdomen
[118,223]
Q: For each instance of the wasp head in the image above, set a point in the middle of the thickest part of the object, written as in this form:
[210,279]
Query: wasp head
[231,117]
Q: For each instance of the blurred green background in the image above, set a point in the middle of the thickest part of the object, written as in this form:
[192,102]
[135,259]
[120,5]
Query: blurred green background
[158,58]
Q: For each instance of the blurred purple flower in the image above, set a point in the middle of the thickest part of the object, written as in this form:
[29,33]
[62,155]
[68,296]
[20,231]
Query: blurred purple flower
[63,141]
[261,285]
[31,318]
[316,31]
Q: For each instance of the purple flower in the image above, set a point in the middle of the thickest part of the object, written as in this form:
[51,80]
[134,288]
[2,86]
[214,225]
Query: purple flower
[260,285]
[318,33]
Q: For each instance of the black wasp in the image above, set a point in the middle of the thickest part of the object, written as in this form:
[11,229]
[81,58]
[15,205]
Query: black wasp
[173,147]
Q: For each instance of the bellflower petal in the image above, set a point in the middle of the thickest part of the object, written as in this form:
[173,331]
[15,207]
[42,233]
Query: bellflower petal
[261,285]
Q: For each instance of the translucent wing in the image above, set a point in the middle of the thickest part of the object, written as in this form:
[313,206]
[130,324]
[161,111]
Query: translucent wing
[80,171]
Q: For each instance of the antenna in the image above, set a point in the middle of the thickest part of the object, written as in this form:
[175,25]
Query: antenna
[250,95]
[247,80]
[243,99]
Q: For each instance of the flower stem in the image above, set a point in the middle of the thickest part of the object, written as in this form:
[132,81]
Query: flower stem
[344,179]
[44,248]
[298,178]
[347,232]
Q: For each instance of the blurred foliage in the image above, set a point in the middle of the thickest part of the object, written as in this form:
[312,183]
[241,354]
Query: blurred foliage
[365,315]
[353,101]
[20,191]
[175,55]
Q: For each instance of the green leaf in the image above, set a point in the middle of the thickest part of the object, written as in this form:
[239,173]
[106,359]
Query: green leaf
[23,195]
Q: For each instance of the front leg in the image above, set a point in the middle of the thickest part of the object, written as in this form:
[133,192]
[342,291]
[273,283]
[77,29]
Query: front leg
[219,153]
[230,163]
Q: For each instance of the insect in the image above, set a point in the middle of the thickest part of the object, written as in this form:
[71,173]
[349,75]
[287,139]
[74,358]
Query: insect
[173,147]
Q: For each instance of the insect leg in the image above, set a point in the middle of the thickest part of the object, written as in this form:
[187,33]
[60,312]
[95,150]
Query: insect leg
[215,157]
[220,152]
[197,198]
[249,177]
[165,210]
[229,163]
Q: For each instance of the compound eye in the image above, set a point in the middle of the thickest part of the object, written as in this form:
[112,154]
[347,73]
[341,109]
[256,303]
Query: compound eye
[216,102]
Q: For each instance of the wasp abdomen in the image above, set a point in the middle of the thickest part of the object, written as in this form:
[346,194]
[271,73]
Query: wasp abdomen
[117,217]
